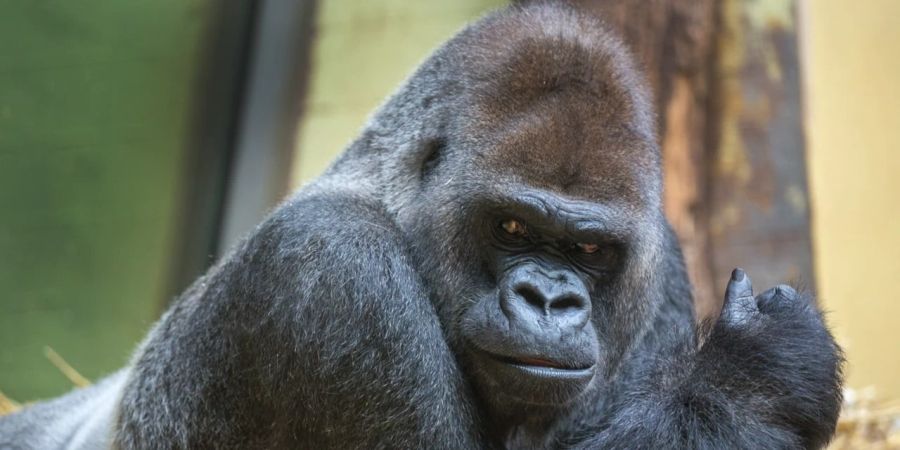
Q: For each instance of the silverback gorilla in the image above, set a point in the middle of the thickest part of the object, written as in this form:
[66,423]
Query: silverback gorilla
[486,266]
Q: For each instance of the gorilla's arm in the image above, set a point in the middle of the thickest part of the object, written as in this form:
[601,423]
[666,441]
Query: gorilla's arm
[766,376]
[315,333]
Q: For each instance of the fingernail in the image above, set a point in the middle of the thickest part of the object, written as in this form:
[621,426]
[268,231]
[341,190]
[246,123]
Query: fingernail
[738,274]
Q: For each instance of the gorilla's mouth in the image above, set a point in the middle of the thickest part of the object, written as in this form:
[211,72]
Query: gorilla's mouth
[534,380]
[537,362]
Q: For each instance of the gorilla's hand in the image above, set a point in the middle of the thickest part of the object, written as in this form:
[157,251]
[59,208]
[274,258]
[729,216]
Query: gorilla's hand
[766,376]
[741,308]
[774,351]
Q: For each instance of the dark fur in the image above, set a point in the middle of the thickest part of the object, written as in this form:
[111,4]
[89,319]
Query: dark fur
[345,319]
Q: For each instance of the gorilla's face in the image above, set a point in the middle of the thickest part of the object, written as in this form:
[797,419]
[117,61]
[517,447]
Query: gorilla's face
[529,331]
[528,233]
[536,221]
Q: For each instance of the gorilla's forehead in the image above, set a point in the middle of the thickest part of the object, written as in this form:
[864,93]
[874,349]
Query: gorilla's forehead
[565,143]
[552,99]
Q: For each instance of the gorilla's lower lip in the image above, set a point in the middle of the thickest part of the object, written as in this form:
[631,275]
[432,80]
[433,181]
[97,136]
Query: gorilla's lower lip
[541,366]
[555,373]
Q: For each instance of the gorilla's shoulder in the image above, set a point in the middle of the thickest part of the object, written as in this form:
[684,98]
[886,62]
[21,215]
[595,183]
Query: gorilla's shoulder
[329,229]
[326,209]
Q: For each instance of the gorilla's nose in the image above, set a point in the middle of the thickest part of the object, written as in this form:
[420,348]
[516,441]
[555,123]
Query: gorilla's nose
[536,301]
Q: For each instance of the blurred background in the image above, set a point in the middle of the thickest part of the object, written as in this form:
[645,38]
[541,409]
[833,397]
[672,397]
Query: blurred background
[139,140]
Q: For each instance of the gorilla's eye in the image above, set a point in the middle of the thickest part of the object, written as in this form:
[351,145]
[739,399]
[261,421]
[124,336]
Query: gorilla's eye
[513,227]
[587,248]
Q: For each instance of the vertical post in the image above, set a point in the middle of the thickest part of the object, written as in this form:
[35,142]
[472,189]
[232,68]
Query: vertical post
[758,185]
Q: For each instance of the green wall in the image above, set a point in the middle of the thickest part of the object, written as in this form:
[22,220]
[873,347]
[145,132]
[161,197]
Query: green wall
[94,98]
[94,116]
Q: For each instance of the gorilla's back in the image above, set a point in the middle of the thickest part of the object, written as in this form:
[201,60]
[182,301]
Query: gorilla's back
[79,420]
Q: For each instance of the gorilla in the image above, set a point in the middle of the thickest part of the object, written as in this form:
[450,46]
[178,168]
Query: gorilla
[487,266]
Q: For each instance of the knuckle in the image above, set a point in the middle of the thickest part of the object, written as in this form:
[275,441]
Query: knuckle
[785,291]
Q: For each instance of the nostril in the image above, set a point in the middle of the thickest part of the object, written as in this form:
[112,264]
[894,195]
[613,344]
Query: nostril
[537,306]
[571,311]
[531,296]
[567,304]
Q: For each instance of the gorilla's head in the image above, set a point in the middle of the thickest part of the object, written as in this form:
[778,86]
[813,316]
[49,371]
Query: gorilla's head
[521,162]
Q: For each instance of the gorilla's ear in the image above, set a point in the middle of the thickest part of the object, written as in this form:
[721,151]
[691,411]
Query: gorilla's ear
[432,154]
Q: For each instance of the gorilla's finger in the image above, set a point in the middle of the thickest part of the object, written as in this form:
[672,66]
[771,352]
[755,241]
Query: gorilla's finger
[785,291]
[739,302]
[739,286]
[766,296]
[777,296]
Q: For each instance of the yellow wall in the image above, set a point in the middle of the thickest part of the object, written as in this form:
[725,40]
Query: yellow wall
[853,105]
[363,50]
